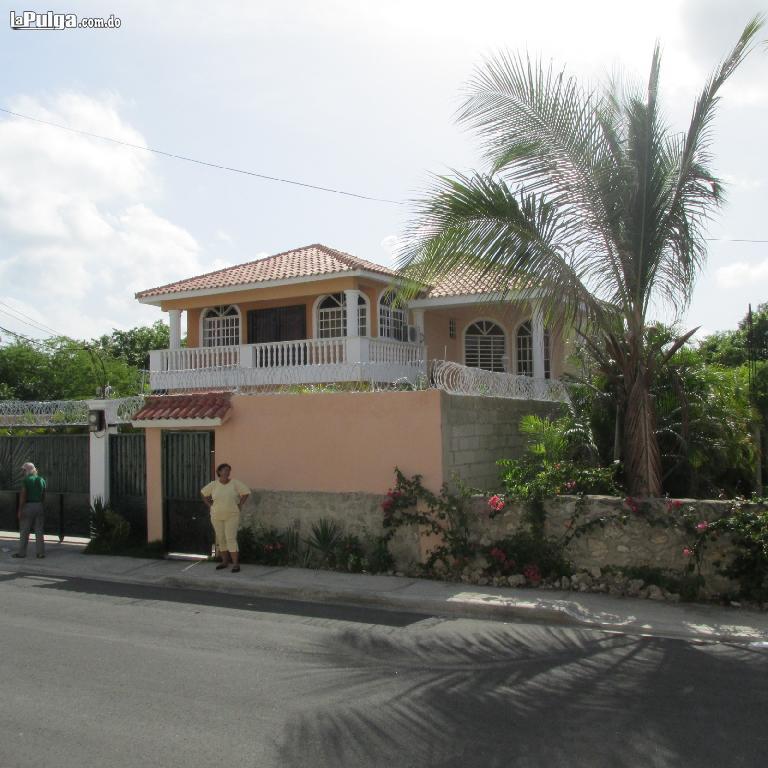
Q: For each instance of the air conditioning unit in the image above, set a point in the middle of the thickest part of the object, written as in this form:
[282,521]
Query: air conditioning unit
[415,335]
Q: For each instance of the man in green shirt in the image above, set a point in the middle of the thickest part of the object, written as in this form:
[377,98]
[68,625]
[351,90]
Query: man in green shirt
[30,511]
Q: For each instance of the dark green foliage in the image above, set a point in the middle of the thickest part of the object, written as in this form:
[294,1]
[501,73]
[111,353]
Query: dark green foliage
[747,525]
[527,479]
[266,546]
[133,346]
[110,532]
[446,515]
[65,369]
[324,539]
[527,553]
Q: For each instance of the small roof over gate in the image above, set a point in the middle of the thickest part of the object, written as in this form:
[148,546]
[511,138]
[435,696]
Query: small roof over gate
[202,409]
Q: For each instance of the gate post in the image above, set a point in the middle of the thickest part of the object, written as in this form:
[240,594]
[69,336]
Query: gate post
[98,452]
[154,453]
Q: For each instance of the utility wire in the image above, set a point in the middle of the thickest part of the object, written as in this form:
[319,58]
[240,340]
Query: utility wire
[204,162]
[18,315]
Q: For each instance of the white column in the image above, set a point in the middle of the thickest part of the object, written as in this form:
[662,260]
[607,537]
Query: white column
[174,320]
[98,450]
[537,329]
[350,307]
[418,321]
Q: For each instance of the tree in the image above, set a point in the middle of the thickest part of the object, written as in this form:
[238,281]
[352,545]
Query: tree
[731,348]
[62,369]
[592,206]
[134,345]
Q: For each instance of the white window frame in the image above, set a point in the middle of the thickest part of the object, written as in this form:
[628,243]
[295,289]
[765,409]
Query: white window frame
[227,333]
[547,351]
[497,355]
[392,319]
[363,314]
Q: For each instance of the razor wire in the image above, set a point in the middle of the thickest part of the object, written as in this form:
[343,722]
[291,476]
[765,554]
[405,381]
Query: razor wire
[65,413]
[457,379]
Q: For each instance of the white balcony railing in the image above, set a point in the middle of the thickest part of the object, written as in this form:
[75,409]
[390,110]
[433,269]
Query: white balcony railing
[305,361]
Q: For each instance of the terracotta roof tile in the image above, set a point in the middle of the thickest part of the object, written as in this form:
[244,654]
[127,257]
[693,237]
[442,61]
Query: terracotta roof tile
[206,405]
[466,282]
[310,261]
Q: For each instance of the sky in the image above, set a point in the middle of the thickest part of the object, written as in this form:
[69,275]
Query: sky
[354,95]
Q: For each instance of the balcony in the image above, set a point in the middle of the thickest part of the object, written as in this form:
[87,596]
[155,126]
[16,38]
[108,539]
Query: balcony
[285,363]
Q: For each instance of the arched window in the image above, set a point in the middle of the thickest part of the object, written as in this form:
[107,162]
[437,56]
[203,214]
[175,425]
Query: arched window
[393,320]
[525,351]
[221,326]
[485,346]
[332,319]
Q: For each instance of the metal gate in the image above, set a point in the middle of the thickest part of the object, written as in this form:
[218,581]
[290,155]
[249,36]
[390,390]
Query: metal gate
[63,460]
[128,480]
[187,467]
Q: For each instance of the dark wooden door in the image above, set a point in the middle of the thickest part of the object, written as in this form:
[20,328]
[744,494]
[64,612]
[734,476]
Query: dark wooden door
[277,324]
[187,467]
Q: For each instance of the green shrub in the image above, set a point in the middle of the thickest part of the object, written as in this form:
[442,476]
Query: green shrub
[266,546]
[110,532]
[527,553]
[325,537]
[527,479]
[747,525]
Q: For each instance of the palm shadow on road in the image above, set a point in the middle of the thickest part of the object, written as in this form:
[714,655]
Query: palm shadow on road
[537,696]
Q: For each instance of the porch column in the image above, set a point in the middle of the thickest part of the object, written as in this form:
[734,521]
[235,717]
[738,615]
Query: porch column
[537,330]
[350,309]
[418,321]
[174,320]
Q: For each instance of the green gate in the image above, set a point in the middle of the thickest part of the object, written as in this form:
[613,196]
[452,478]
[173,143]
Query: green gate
[187,466]
[63,460]
[128,480]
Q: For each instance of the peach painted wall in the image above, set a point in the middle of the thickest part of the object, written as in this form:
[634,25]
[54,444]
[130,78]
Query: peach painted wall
[282,296]
[333,441]
[509,316]
[153,448]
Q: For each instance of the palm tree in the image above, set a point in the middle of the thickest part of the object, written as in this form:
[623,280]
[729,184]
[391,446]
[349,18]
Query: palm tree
[592,207]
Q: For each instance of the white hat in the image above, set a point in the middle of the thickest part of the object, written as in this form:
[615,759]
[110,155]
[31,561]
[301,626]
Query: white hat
[29,467]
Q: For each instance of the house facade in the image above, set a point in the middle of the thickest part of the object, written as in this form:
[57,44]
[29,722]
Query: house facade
[316,315]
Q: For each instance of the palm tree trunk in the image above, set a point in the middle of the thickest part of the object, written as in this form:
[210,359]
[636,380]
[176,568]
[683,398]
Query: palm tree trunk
[642,458]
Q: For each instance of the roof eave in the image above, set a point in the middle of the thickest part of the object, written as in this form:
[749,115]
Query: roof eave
[158,299]
[469,298]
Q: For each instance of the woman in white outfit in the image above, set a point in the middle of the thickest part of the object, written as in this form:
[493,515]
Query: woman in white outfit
[225,497]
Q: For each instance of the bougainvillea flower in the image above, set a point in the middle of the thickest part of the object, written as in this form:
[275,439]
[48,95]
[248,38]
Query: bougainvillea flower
[496,503]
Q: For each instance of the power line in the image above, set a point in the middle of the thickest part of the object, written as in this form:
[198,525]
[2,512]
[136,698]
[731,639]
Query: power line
[257,175]
[17,314]
[204,162]
[733,240]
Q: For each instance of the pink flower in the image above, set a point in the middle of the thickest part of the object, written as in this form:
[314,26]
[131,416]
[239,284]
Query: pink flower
[532,573]
[496,503]
[702,526]
[570,485]
[687,551]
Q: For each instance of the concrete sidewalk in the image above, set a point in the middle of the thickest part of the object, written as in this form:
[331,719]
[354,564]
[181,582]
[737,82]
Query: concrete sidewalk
[597,611]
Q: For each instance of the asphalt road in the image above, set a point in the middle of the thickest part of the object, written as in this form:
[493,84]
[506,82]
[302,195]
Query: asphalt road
[98,674]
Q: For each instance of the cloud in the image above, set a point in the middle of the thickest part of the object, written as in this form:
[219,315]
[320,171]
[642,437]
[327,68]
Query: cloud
[76,219]
[742,275]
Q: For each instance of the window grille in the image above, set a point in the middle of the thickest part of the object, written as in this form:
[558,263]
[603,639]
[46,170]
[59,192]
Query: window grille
[332,319]
[221,326]
[485,346]
[393,321]
[452,328]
